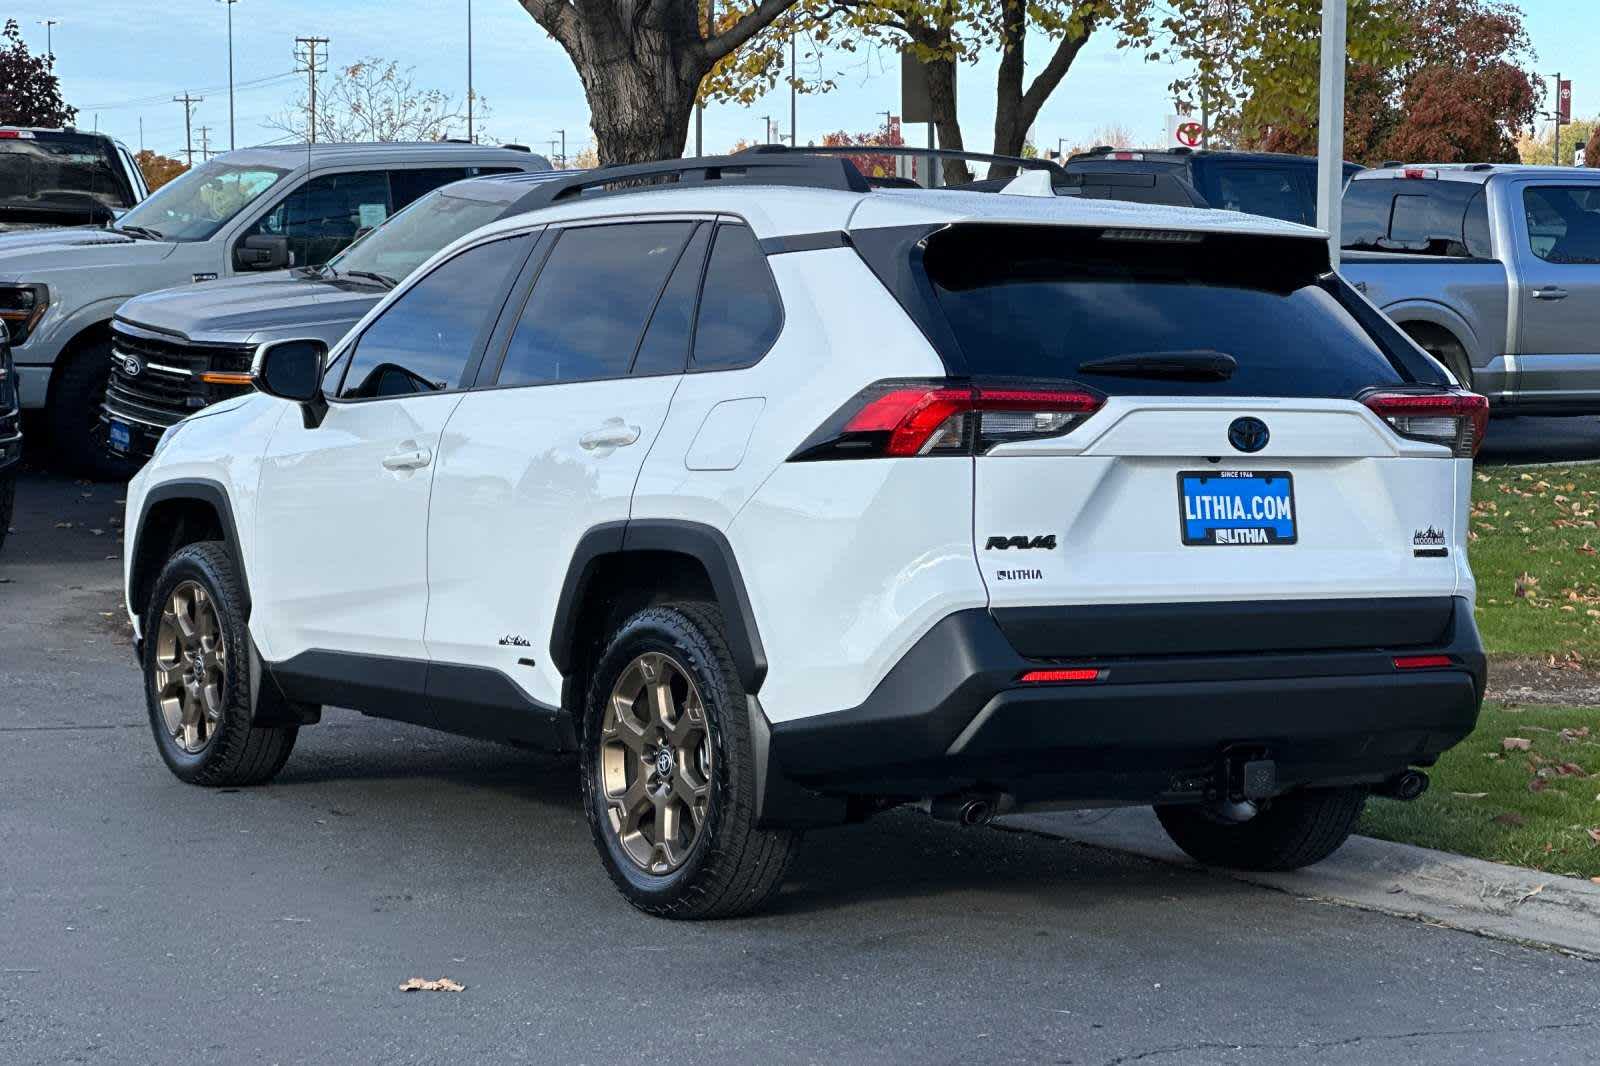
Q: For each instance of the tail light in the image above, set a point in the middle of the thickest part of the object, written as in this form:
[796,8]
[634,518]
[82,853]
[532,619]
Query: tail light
[1060,677]
[899,419]
[1456,420]
[1422,662]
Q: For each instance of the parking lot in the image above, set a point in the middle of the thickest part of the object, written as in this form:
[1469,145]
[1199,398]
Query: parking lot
[147,921]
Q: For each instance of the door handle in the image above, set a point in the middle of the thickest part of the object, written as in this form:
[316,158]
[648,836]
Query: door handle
[613,434]
[1550,292]
[409,460]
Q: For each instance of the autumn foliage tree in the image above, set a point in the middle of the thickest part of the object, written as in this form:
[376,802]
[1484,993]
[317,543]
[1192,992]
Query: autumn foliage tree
[872,164]
[157,169]
[30,92]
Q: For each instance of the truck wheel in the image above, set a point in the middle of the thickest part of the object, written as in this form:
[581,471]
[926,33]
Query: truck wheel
[1288,832]
[8,501]
[1446,349]
[196,670]
[77,391]
[669,771]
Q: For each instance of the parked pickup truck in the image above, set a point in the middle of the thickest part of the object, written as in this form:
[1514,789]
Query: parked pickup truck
[1493,268]
[176,351]
[64,177]
[257,209]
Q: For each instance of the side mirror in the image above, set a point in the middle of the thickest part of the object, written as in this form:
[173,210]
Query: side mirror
[292,370]
[264,251]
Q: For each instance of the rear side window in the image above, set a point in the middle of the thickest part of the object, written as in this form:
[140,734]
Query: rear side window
[425,340]
[589,307]
[665,348]
[1277,192]
[1041,302]
[1563,222]
[740,312]
[1420,216]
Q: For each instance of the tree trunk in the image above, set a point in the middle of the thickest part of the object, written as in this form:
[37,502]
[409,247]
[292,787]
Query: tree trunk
[942,94]
[1016,109]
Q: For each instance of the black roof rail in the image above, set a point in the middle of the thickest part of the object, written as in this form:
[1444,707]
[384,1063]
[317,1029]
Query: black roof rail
[1387,163]
[801,171]
[1480,166]
[1056,169]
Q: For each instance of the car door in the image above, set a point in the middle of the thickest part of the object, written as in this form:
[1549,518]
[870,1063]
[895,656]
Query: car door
[1556,245]
[342,510]
[552,446]
[323,215]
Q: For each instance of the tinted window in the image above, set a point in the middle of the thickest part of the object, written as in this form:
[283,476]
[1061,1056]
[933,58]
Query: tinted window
[588,308]
[411,236]
[61,173]
[424,340]
[406,185]
[1563,222]
[665,348]
[324,215]
[1039,302]
[1277,192]
[1420,216]
[740,314]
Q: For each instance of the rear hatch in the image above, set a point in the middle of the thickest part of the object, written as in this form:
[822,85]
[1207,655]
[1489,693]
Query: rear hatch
[1216,420]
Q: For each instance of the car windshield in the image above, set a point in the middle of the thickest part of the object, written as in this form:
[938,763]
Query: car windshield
[54,173]
[407,239]
[195,205]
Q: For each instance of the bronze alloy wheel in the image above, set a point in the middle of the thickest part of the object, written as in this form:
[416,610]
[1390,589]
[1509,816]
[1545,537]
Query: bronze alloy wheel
[655,763]
[191,662]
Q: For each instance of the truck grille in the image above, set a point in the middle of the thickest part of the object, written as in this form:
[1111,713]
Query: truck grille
[165,385]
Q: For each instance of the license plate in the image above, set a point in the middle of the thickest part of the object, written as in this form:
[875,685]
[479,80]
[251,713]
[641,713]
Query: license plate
[121,439]
[1236,507]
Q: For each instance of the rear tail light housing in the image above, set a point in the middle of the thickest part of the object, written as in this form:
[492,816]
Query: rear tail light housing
[1071,676]
[1454,419]
[902,419]
[1422,662]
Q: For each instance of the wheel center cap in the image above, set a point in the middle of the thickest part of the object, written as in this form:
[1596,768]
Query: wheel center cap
[664,762]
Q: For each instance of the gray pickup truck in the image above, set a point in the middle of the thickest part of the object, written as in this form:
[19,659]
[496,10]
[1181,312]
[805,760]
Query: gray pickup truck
[1493,268]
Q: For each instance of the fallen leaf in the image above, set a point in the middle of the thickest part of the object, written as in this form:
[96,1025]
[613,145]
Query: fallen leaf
[443,984]
[1594,836]
[1512,819]
[1571,769]
[1515,744]
[1574,734]
[1536,785]
[1470,795]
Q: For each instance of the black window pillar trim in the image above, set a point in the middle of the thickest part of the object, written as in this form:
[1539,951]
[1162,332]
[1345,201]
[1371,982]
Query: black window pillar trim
[697,540]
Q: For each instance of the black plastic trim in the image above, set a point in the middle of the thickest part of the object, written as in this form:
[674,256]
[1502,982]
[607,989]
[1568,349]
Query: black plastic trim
[700,542]
[805,242]
[206,491]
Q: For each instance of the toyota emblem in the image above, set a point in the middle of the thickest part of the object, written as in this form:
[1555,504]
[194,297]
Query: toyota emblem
[1248,434]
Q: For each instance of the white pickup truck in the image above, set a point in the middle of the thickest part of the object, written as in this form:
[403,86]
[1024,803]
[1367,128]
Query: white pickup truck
[256,209]
[1493,268]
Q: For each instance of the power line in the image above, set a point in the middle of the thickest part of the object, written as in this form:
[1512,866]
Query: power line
[188,103]
[309,58]
[159,98]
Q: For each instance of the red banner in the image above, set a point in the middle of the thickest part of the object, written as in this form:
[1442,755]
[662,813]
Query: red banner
[1564,101]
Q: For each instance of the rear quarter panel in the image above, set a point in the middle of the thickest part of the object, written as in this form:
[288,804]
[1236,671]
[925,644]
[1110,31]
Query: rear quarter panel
[1468,297]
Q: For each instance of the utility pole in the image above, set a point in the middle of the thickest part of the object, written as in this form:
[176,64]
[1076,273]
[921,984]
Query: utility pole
[471,137]
[49,46]
[229,4]
[188,103]
[700,108]
[309,58]
[563,156]
[768,120]
[1330,125]
[205,143]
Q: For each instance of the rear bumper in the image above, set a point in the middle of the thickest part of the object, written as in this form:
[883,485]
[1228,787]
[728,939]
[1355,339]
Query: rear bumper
[953,716]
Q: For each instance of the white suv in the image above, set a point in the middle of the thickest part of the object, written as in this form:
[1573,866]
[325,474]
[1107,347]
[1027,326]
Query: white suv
[782,500]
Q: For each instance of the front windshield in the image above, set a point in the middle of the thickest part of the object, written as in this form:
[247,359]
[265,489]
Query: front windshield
[195,205]
[407,239]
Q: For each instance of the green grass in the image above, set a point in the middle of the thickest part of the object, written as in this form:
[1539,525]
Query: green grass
[1538,808]
[1535,550]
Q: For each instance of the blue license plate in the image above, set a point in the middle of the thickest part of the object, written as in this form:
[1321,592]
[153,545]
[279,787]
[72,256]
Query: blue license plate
[1236,507]
[121,439]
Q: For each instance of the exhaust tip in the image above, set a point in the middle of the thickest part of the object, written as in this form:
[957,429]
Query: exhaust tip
[1406,786]
[976,812]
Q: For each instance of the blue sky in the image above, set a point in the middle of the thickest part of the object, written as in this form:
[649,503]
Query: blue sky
[122,61]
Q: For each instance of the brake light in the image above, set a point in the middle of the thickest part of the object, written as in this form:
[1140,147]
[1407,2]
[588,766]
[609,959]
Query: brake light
[1457,420]
[1126,156]
[1421,662]
[1058,677]
[900,419]
[16,135]
[1415,173]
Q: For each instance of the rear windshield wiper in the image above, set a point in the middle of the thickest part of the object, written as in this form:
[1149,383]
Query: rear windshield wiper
[1199,365]
[141,231]
[382,279]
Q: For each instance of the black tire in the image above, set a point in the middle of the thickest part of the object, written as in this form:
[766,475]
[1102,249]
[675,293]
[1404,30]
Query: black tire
[732,867]
[77,391]
[1290,831]
[8,502]
[237,752]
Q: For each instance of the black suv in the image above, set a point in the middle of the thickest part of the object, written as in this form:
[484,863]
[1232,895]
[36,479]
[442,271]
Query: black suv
[1257,183]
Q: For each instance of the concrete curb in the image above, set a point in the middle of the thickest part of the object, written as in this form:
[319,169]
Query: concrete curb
[1508,902]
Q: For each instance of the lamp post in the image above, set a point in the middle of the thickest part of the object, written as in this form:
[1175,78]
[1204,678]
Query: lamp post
[563,157]
[49,46]
[472,138]
[1330,124]
[229,5]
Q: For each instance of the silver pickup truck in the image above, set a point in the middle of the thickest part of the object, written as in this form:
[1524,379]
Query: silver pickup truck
[1493,268]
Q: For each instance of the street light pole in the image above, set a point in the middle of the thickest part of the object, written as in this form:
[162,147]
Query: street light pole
[471,138]
[229,5]
[700,108]
[563,157]
[794,80]
[1330,125]
[49,46]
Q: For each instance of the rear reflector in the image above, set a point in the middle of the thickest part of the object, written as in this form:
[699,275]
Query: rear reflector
[1456,420]
[1057,677]
[1421,662]
[900,419]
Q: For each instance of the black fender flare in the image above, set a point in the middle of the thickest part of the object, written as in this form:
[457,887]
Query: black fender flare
[206,491]
[695,539]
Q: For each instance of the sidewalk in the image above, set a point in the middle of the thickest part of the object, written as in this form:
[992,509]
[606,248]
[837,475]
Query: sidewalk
[1508,902]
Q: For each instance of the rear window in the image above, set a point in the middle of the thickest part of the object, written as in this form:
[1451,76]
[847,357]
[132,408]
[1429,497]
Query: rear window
[1040,302]
[62,172]
[1416,215]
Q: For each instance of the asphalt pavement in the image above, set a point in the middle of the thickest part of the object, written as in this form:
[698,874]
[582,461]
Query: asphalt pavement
[146,921]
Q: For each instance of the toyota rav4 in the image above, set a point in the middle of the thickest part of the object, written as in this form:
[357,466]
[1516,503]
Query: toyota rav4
[781,500]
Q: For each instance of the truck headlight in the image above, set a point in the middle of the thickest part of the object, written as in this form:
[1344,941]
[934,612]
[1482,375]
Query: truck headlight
[21,307]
